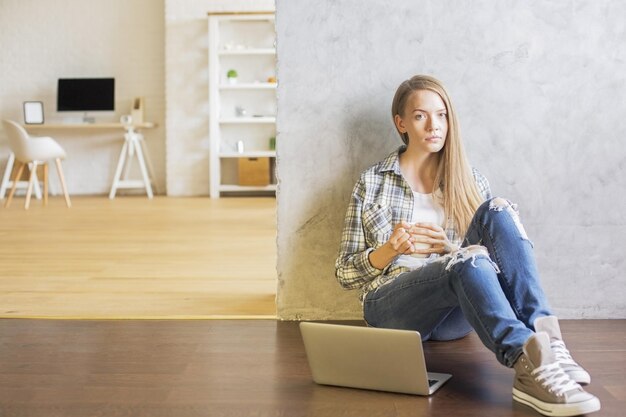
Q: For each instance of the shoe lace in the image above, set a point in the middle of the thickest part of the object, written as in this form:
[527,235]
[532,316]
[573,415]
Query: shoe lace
[561,353]
[553,378]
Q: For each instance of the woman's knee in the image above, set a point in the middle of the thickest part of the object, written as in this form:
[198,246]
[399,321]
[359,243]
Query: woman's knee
[495,204]
[472,263]
[491,211]
[476,256]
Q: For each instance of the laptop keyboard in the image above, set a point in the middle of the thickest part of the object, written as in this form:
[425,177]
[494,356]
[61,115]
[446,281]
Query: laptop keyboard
[432,382]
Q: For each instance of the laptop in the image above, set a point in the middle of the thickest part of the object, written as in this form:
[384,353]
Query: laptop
[369,358]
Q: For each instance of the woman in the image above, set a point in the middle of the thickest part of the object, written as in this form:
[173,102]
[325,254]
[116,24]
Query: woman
[432,251]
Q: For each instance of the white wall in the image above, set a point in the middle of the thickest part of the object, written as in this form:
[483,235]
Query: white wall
[124,39]
[187,89]
[539,87]
[41,41]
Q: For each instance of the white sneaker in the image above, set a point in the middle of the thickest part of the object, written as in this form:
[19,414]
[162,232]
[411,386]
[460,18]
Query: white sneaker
[550,325]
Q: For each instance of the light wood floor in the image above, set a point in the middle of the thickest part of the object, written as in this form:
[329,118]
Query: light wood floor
[137,258]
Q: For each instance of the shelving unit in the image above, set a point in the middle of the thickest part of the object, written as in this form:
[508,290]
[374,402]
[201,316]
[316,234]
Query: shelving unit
[241,114]
[251,86]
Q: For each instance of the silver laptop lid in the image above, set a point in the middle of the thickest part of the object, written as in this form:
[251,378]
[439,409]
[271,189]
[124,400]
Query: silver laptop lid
[369,358]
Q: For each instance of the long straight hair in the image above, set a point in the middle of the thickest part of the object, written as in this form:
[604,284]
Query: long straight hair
[454,178]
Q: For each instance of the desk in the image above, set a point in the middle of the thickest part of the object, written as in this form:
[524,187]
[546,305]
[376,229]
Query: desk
[88,126]
[134,145]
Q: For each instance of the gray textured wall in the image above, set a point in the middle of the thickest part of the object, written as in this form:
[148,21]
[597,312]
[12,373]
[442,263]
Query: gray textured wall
[540,88]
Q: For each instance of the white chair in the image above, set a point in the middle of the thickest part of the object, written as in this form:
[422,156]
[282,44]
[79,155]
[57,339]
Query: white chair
[33,151]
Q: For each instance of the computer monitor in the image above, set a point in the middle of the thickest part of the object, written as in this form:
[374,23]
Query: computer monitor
[86,94]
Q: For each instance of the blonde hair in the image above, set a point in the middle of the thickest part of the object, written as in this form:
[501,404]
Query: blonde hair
[461,197]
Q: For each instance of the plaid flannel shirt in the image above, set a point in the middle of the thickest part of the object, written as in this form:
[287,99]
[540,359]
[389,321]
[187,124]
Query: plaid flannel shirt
[381,199]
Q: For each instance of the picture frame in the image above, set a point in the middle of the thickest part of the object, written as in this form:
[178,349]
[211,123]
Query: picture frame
[33,113]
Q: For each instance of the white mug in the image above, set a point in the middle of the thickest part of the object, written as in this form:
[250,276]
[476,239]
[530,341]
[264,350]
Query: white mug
[421,245]
[127,119]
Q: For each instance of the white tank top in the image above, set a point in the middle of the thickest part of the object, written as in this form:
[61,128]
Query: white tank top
[425,210]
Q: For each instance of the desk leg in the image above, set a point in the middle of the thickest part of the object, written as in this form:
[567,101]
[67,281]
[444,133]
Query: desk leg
[132,147]
[144,171]
[146,157]
[130,152]
[118,170]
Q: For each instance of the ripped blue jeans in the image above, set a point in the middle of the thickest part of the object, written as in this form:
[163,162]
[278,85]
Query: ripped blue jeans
[490,285]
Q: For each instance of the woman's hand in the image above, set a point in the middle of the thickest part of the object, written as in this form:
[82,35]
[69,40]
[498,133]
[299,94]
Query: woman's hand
[432,234]
[400,243]
[401,240]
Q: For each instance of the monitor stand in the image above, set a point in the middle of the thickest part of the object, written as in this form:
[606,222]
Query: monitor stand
[88,119]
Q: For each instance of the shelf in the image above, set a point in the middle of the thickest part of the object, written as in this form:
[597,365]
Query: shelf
[247,120]
[249,154]
[250,51]
[242,43]
[244,16]
[233,188]
[249,86]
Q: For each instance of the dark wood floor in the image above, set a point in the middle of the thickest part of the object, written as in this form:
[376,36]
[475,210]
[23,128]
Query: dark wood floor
[254,368]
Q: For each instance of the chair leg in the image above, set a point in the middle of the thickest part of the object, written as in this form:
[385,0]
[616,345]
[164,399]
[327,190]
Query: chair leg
[36,188]
[62,178]
[6,178]
[20,170]
[31,182]
[45,183]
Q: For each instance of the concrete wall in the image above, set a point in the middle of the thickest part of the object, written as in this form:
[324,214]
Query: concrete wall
[539,87]
[41,41]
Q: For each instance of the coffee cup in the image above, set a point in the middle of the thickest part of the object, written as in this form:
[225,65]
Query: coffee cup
[421,246]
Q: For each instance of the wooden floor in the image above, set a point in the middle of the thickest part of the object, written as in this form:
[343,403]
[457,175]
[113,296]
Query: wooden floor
[137,258]
[258,368]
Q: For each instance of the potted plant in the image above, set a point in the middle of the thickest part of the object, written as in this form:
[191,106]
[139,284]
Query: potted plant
[232,76]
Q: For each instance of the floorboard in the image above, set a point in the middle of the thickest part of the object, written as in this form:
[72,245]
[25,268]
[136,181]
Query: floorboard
[254,368]
[132,257]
